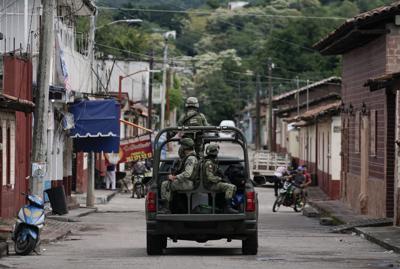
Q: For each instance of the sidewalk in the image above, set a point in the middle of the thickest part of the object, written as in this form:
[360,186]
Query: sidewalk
[101,197]
[57,226]
[377,230]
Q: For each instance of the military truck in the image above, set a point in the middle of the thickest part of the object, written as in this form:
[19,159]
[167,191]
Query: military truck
[196,215]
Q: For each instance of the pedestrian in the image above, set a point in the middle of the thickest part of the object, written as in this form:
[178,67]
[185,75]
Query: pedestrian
[185,177]
[214,182]
[110,177]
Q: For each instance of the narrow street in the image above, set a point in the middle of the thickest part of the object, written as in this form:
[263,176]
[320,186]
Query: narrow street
[115,238]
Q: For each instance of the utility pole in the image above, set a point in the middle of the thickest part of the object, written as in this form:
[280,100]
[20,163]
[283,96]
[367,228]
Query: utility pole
[39,151]
[169,87]
[91,157]
[308,94]
[164,85]
[258,112]
[150,100]
[271,93]
[298,96]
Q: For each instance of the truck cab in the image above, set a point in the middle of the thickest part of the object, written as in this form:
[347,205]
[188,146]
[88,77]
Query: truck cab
[196,215]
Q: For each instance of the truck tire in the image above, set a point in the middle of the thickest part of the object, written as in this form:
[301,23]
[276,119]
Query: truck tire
[250,244]
[155,244]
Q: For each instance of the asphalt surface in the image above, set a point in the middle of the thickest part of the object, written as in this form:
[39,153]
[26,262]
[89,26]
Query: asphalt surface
[115,238]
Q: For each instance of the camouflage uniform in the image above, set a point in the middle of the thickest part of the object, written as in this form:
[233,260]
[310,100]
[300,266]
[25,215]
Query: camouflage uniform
[214,182]
[193,117]
[186,175]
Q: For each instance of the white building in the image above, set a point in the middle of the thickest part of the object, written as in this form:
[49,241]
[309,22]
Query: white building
[237,5]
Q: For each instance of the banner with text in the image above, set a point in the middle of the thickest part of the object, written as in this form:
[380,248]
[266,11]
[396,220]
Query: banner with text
[135,149]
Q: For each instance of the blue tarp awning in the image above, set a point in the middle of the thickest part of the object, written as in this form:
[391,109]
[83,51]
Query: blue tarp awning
[96,125]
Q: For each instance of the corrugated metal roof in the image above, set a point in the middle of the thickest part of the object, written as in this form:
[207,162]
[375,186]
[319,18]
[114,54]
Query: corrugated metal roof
[316,84]
[373,16]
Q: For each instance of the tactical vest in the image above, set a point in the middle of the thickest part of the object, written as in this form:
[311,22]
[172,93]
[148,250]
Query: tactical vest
[181,167]
[195,119]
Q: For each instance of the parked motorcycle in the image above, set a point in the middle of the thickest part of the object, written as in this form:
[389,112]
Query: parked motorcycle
[30,221]
[286,198]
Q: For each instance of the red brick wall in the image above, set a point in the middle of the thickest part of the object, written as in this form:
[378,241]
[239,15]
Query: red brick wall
[374,59]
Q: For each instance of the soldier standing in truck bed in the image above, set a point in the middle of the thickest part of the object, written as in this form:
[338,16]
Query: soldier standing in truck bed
[193,117]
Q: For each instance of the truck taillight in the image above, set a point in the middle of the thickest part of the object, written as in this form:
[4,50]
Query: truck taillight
[250,201]
[151,202]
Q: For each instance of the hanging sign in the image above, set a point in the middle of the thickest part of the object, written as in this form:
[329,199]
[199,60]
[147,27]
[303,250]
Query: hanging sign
[135,149]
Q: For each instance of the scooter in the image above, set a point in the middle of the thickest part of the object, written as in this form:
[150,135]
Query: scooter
[30,221]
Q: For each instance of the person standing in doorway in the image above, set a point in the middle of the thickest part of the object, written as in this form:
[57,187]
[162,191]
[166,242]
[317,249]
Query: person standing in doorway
[110,177]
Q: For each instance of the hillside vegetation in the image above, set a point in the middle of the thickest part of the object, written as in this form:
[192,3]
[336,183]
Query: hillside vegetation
[228,48]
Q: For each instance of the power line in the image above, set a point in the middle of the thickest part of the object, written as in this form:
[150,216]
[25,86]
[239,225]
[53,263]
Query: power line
[220,13]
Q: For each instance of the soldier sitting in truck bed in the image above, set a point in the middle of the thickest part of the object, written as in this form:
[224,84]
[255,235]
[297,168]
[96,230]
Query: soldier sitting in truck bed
[214,182]
[185,177]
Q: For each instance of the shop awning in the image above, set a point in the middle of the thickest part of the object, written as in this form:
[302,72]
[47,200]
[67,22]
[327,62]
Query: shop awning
[96,125]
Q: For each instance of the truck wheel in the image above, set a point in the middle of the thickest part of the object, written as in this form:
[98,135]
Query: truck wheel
[250,245]
[155,244]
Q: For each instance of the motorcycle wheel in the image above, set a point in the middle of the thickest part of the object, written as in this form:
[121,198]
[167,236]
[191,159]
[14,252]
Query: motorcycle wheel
[277,204]
[299,205]
[24,247]
[139,191]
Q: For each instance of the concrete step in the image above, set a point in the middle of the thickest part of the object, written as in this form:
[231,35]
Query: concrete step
[101,197]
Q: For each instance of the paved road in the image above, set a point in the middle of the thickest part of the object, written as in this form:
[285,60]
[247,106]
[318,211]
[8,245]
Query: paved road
[116,239]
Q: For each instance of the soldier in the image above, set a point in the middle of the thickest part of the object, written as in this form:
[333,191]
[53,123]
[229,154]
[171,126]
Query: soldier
[193,117]
[186,174]
[213,182]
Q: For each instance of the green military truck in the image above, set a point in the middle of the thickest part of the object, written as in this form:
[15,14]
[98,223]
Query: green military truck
[196,215]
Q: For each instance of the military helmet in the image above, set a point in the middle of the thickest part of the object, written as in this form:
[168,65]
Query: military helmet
[212,150]
[187,143]
[192,102]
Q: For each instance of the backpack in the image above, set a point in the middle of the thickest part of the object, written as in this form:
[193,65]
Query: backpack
[236,175]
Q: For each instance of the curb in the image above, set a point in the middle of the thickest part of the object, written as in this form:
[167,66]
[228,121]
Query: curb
[74,218]
[377,241]
[57,238]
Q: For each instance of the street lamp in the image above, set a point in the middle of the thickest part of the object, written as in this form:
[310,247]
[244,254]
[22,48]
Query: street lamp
[167,36]
[134,73]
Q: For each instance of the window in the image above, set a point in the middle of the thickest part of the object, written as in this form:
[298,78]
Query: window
[373,135]
[7,148]
[8,159]
[1,73]
[357,132]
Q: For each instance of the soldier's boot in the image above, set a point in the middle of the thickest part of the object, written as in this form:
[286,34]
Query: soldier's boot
[163,206]
[228,207]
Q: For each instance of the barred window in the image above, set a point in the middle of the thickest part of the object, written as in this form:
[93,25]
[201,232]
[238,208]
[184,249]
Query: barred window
[372,140]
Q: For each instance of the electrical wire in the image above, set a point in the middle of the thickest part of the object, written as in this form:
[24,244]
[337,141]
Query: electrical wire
[219,13]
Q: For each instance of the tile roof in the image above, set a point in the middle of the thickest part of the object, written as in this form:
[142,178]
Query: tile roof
[362,20]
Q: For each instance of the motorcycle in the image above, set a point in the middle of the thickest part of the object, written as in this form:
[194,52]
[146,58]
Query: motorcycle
[139,188]
[286,198]
[30,220]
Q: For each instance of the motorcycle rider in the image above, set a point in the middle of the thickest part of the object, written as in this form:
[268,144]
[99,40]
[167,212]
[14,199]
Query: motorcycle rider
[185,177]
[139,169]
[279,174]
[300,182]
[214,182]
